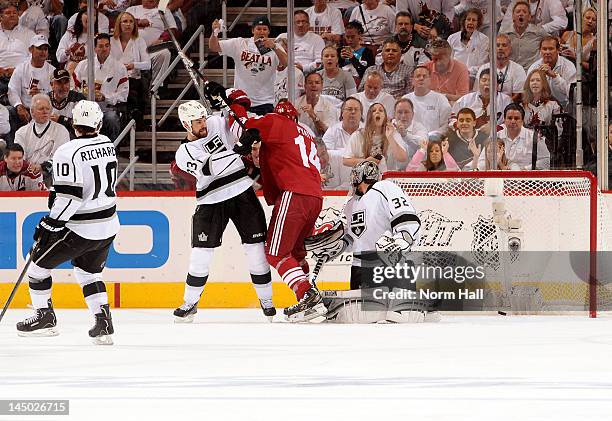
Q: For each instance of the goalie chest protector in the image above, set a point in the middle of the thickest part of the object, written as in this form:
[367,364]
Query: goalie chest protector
[383,208]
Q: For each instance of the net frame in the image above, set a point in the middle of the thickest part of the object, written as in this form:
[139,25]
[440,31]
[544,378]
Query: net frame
[590,192]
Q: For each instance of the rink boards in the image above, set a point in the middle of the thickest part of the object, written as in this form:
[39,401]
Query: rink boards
[150,256]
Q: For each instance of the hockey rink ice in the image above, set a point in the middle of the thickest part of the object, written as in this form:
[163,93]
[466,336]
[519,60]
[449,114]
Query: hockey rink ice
[234,365]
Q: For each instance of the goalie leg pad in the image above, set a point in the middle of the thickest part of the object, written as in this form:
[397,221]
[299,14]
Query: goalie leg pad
[351,307]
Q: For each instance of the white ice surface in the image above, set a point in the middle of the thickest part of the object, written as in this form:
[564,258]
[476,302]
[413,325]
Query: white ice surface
[233,365]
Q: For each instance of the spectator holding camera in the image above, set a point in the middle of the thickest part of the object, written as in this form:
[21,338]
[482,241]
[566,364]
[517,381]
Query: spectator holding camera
[256,60]
[354,56]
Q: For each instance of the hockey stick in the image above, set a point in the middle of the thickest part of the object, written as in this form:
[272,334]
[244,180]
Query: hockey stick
[16,287]
[193,71]
[162,6]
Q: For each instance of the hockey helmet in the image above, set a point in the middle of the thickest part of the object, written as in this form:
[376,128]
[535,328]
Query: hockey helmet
[286,108]
[191,110]
[88,114]
[365,172]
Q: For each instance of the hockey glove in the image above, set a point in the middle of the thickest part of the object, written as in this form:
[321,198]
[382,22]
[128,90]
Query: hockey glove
[215,94]
[238,96]
[391,249]
[245,144]
[49,230]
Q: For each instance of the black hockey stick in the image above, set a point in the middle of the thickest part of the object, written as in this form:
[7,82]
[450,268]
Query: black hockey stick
[192,70]
[16,287]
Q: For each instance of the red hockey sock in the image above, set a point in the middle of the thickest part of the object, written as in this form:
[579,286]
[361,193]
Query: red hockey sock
[293,275]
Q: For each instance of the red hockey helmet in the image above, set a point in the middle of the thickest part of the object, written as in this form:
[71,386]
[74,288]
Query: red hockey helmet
[286,108]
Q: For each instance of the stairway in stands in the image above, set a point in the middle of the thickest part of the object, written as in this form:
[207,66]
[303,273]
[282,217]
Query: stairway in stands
[170,134]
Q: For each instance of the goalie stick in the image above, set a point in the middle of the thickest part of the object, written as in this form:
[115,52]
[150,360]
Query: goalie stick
[192,70]
[16,287]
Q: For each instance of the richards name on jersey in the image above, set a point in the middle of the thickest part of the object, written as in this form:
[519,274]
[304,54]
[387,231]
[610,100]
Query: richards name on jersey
[104,151]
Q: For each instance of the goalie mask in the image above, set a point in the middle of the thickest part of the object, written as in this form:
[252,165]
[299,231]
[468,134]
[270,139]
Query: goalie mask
[189,111]
[88,114]
[364,172]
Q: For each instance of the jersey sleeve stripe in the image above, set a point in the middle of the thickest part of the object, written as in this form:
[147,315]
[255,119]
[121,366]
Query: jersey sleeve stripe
[206,168]
[190,155]
[74,192]
[102,214]
[405,218]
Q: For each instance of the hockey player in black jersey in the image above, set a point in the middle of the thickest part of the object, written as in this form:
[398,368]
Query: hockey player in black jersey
[80,227]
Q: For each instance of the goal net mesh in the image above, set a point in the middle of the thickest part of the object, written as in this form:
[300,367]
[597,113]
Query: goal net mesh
[481,215]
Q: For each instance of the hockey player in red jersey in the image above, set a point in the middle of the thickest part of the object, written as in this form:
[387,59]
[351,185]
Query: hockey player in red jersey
[289,168]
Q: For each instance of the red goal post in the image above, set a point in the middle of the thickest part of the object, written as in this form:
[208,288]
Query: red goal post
[470,211]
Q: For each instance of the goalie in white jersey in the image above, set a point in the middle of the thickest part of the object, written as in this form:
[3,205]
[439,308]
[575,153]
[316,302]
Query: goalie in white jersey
[224,191]
[80,227]
[381,225]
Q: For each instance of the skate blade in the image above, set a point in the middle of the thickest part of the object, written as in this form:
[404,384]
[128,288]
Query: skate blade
[103,340]
[187,319]
[316,312]
[50,331]
[270,318]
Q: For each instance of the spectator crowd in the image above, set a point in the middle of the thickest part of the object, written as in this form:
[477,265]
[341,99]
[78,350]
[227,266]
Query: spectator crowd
[403,83]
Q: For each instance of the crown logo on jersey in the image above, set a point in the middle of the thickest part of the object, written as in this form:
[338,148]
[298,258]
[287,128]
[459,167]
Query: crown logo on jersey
[202,236]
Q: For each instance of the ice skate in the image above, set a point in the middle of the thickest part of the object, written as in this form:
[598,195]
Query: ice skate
[309,308]
[268,308]
[103,329]
[185,313]
[43,323]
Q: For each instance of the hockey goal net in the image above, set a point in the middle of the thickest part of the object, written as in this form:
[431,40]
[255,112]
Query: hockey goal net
[524,219]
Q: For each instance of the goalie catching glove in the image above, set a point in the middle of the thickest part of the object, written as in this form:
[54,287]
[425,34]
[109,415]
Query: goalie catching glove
[329,244]
[391,249]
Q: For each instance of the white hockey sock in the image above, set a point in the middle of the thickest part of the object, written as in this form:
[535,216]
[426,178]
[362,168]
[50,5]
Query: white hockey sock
[264,292]
[40,298]
[192,294]
[94,301]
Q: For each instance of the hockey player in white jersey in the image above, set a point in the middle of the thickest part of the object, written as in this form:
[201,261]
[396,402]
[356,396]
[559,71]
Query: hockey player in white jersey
[223,192]
[381,221]
[80,227]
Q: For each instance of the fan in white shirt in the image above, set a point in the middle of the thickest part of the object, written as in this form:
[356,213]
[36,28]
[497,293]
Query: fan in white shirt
[378,20]
[151,28]
[14,40]
[510,75]
[373,93]
[111,84]
[307,45]
[256,60]
[317,111]
[33,17]
[432,109]
[31,77]
[41,137]
[337,136]
[560,72]
[102,20]
[129,48]
[412,132]
[326,21]
[470,46]
[518,141]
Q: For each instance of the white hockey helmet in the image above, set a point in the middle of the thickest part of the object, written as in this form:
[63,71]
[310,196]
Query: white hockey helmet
[364,172]
[191,110]
[88,114]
